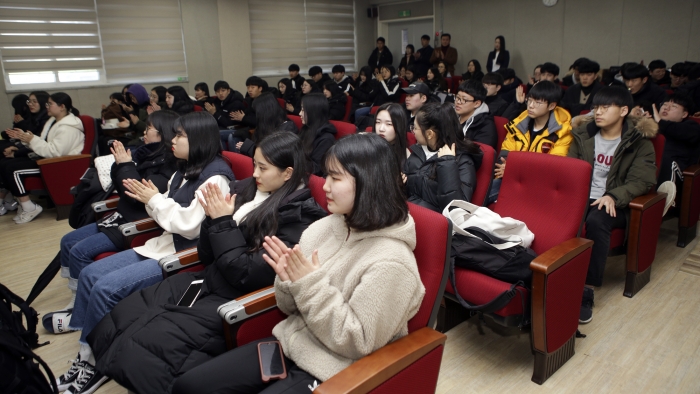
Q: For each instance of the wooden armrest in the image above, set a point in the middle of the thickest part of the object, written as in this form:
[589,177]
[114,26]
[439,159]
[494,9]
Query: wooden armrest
[138,227]
[106,205]
[179,260]
[249,305]
[692,171]
[642,203]
[371,371]
[52,160]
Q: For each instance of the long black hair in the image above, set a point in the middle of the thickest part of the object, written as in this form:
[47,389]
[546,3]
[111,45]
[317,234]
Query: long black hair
[282,150]
[164,121]
[399,121]
[314,86]
[61,98]
[182,104]
[40,118]
[160,92]
[203,87]
[443,121]
[367,71]
[316,114]
[477,74]
[202,133]
[503,44]
[269,116]
[289,91]
[438,81]
[379,199]
[19,104]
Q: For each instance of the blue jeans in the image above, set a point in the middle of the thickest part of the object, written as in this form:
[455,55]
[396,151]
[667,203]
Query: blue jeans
[104,283]
[232,141]
[362,112]
[79,249]
[229,140]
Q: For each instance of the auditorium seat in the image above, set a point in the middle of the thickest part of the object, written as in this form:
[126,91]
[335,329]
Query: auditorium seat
[283,104]
[343,129]
[198,108]
[484,175]
[241,165]
[297,121]
[456,80]
[500,130]
[689,197]
[348,109]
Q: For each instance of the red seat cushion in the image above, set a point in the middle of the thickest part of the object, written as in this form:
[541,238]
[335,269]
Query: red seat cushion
[33,183]
[478,289]
[104,255]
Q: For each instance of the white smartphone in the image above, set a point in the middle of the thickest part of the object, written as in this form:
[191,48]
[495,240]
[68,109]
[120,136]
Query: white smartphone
[191,294]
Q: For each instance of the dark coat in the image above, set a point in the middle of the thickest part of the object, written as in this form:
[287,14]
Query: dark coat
[147,341]
[480,128]
[433,183]
[248,147]
[503,60]
[377,59]
[364,92]
[650,94]
[682,145]
[324,139]
[423,63]
[496,105]
[336,105]
[572,96]
[388,91]
[232,103]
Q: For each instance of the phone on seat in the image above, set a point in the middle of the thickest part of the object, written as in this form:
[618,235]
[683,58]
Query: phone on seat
[271,358]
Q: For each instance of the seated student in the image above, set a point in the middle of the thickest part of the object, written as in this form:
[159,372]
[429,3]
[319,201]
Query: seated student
[354,286]
[401,72]
[286,91]
[297,80]
[62,135]
[548,72]
[387,87]
[442,69]
[659,74]
[571,77]
[201,94]
[363,91]
[442,166]
[340,78]
[445,53]
[33,122]
[543,128]
[535,76]
[679,75]
[410,74]
[618,148]
[226,102]
[417,94]
[309,86]
[391,124]
[692,89]
[336,99]
[475,120]
[21,109]
[137,102]
[104,283]
[579,97]
[644,93]
[178,101]
[493,82]
[126,88]
[274,202]
[435,81]
[317,133]
[473,71]
[319,77]
[271,119]
[510,83]
[408,57]
[154,161]
[157,99]
[255,86]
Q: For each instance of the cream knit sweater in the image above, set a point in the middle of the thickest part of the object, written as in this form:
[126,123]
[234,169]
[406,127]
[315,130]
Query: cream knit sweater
[361,298]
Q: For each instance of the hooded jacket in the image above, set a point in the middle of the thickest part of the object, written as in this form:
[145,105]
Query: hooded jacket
[361,298]
[232,103]
[434,182]
[572,98]
[63,138]
[344,82]
[388,91]
[633,168]
[140,109]
[480,127]
[557,137]
[364,92]
[497,105]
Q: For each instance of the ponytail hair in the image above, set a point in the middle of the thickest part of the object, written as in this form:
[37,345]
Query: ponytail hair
[64,99]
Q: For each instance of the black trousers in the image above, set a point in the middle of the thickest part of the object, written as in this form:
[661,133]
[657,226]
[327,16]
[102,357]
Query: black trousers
[599,226]
[14,170]
[238,371]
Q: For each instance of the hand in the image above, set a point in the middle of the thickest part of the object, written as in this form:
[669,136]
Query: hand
[123,123]
[290,107]
[215,204]
[104,107]
[379,77]
[210,108]
[121,155]
[276,256]
[238,145]
[520,94]
[238,115]
[150,110]
[18,118]
[10,151]
[18,134]
[298,266]
[696,115]
[607,202]
[127,108]
[351,87]
[657,117]
[134,118]
[532,80]
[403,178]
[141,191]
[156,107]
[637,111]
[500,169]
[447,151]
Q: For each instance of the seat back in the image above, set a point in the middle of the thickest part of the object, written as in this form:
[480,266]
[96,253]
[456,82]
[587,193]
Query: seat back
[241,165]
[695,119]
[296,119]
[411,138]
[348,108]
[585,111]
[89,130]
[373,110]
[316,188]
[484,175]
[501,123]
[659,142]
[433,240]
[343,128]
[549,193]
[283,103]
[456,80]
[198,108]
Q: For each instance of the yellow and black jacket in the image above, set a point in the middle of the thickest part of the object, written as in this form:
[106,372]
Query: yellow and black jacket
[556,139]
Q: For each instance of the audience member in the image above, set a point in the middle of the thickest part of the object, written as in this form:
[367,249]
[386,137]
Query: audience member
[571,77]
[442,69]
[408,58]
[445,53]
[36,119]
[126,88]
[659,74]
[318,76]
[157,99]
[442,165]
[618,148]
[201,94]
[317,133]
[473,71]
[435,81]
[580,96]
[363,91]
[381,56]
[510,83]
[644,92]
[309,86]
[227,102]
[498,58]
[391,124]
[286,90]
[336,100]
[388,89]
[270,119]
[692,89]
[475,120]
[137,104]
[549,72]
[679,75]
[410,75]
[178,101]
[340,78]
[423,56]
[493,82]
[417,94]
[535,76]
[297,80]
[255,87]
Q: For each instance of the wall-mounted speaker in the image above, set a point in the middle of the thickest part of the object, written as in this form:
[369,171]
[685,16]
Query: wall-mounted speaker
[372,12]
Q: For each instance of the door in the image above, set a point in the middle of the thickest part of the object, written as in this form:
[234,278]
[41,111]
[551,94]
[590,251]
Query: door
[409,31]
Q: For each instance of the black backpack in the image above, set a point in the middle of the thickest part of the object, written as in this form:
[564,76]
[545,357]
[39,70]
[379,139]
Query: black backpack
[89,190]
[20,373]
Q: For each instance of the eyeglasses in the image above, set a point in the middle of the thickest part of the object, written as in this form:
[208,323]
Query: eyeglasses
[603,108]
[532,102]
[48,104]
[460,100]
[32,102]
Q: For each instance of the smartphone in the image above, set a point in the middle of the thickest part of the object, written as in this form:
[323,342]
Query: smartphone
[191,294]
[271,361]
[110,143]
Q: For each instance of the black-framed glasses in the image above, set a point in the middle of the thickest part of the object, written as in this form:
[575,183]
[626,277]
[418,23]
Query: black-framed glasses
[460,100]
[534,103]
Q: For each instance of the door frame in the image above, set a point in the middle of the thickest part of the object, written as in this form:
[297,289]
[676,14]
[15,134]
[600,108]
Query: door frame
[383,26]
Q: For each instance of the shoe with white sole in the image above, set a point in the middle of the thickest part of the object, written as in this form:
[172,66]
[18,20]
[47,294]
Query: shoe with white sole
[19,212]
[28,216]
[11,205]
[57,322]
[3,210]
[66,380]
[88,381]
[669,188]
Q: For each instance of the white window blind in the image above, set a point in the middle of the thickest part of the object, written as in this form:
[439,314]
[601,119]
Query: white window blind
[305,32]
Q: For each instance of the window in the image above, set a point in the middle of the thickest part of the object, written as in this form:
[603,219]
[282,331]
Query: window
[305,32]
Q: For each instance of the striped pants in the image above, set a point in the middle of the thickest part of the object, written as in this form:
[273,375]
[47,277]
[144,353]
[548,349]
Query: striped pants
[14,170]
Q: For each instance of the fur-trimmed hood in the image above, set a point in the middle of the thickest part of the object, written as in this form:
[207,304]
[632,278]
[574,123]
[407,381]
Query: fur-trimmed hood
[647,127]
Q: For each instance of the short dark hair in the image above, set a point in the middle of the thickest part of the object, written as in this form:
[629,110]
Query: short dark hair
[493,79]
[655,64]
[221,85]
[315,70]
[399,121]
[549,68]
[614,95]
[683,100]
[269,116]
[114,96]
[545,90]
[338,68]
[203,87]
[381,39]
[204,140]
[508,73]
[256,81]
[448,35]
[588,66]
[473,88]
[391,69]
[293,67]
[635,71]
[425,37]
[333,87]
[680,69]
[368,158]
[577,62]
[19,103]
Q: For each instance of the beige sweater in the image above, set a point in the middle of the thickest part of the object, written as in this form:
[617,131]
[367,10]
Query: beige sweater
[361,298]
[65,138]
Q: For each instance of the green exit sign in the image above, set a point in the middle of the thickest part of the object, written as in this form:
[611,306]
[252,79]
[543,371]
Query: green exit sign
[404,13]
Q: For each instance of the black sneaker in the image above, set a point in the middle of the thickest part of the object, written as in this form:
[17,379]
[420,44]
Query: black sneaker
[89,379]
[586,313]
[66,380]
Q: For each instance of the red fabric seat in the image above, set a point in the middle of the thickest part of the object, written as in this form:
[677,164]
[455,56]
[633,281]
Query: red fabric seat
[348,109]
[501,123]
[411,138]
[484,175]
[480,289]
[316,187]
[282,103]
[456,80]
[373,110]
[343,129]
[296,119]
[198,108]
[241,165]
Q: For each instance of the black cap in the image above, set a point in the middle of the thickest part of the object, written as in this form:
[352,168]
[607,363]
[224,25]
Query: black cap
[418,87]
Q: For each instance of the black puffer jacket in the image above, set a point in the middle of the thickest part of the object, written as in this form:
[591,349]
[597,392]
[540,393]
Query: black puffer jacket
[232,103]
[434,182]
[325,138]
[481,128]
[147,341]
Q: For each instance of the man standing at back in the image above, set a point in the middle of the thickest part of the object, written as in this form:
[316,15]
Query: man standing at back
[381,55]
[423,56]
[445,54]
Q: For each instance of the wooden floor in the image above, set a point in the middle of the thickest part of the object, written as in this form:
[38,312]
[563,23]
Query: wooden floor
[647,344]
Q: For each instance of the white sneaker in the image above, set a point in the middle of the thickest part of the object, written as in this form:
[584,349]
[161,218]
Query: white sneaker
[19,212]
[26,217]
[3,210]
[669,188]
[10,205]
[57,322]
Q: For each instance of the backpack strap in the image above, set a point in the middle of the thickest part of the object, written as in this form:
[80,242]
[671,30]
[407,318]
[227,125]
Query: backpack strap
[32,318]
[25,353]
